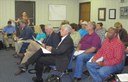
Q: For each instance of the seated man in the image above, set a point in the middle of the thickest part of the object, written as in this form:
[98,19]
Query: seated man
[25,36]
[100,31]
[52,39]
[60,56]
[112,52]
[90,43]
[9,31]
[83,31]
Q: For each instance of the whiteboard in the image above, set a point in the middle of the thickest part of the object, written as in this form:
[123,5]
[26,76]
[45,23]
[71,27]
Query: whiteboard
[57,12]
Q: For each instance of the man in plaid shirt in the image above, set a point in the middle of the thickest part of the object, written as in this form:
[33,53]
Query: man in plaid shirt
[112,52]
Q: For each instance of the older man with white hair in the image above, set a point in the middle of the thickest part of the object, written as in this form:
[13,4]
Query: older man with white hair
[60,56]
[52,39]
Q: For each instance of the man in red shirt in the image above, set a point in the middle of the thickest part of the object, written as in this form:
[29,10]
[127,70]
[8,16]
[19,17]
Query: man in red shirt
[108,59]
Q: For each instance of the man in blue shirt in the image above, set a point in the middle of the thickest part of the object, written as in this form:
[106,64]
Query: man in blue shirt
[25,36]
[83,31]
[9,31]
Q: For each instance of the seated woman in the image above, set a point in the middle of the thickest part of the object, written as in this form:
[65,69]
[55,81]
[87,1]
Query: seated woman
[74,34]
[122,33]
[40,37]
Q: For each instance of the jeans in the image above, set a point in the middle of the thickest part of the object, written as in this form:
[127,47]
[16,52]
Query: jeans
[99,73]
[70,63]
[80,60]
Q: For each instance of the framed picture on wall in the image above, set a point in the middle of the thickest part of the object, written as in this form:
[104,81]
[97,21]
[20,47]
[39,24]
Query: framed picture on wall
[102,14]
[112,13]
[124,12]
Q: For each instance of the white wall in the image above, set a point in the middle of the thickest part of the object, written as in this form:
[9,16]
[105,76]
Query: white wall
[108,4]
[42,11]
[7,11]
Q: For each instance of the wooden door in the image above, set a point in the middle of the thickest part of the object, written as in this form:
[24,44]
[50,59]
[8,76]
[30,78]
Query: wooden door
[84,13]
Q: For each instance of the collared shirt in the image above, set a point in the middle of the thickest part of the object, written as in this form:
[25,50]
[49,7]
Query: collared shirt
[62,39]
[112,52]
[90,40]
[82,32]
[9,29]
[75,37]
[101,34]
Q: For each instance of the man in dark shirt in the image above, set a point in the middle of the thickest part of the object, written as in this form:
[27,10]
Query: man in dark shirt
[34,48]
[60,56]
[25,36]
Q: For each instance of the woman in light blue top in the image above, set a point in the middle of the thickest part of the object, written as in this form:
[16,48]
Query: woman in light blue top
[41,36]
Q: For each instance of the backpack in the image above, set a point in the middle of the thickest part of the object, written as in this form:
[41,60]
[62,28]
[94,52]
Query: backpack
[53,78]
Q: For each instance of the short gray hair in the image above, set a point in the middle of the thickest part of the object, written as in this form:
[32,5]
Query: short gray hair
[67,27]
[93,23]
[49,26]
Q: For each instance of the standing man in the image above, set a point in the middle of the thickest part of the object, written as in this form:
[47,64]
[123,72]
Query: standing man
[60,56]
[112,51]
[9,32]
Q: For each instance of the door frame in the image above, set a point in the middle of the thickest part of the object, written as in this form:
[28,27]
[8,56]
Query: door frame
[34,9]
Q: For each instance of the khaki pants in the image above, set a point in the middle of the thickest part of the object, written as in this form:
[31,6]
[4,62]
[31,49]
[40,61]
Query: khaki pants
[32,48]
[6,39]
[19,44]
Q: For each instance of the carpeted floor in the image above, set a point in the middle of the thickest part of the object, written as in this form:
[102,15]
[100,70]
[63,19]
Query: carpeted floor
[8,66]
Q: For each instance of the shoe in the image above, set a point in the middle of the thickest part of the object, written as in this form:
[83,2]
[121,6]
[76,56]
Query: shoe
[76,80]
[21,55]
[46,69]
[20,71]
[37,80]
[22,66]
[86,73]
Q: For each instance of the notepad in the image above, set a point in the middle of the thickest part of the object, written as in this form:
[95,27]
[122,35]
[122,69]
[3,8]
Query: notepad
[76,53]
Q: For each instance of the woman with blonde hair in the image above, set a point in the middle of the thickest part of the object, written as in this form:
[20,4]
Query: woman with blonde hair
[123,35]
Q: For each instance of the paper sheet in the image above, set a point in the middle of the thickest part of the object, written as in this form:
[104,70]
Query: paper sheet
[98,60]
[123,77]
[45,51]
[78,52]
[38,41]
